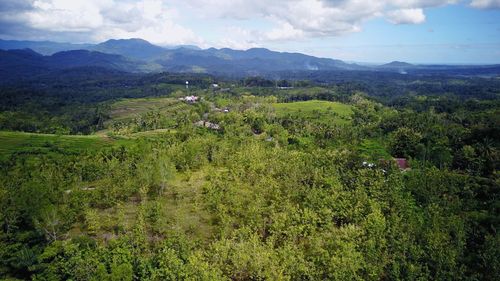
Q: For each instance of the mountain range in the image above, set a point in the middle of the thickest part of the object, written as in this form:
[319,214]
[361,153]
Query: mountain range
[25,58]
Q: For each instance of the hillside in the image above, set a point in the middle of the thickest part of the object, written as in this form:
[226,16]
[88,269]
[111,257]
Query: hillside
[107,175]
[27,63]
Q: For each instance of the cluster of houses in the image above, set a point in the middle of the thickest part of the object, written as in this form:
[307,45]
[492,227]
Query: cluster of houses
[204,123]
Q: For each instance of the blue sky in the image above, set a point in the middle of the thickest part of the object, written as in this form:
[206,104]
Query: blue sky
[451,34]
[417,31]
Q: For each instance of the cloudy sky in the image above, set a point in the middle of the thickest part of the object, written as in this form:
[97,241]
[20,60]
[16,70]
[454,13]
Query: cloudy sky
[420,31]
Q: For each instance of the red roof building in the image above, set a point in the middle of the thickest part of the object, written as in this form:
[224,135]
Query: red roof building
[402,163]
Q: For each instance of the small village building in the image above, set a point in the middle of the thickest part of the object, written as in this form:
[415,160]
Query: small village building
[368,164]
[402,163]
[190,99]
[208,125]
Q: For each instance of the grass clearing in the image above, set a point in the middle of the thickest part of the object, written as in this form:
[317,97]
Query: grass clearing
[315,109]
[181,211]
[373,150]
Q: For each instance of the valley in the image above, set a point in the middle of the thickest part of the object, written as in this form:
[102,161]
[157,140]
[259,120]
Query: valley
[119,174]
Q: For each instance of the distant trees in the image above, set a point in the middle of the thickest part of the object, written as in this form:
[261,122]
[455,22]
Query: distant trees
[258,82]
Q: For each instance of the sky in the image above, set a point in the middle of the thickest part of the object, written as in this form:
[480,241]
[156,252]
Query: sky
[373,31]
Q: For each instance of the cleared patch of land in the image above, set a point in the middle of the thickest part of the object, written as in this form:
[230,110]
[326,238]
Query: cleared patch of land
[179,210]
[315,109]
[183,209]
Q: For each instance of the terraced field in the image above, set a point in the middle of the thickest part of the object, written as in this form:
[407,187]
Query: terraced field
[129,108]
[12,142]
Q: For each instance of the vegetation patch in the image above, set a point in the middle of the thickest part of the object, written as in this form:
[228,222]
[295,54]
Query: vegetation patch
[281,191]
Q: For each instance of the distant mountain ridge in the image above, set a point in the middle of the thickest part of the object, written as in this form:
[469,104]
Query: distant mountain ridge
[42,47]
[26,63]
[256,61]
[137,55]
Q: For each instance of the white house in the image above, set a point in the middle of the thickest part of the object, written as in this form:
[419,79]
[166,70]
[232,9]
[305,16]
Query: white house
[190,99]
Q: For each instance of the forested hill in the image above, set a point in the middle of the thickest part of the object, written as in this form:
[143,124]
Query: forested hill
[27,63]
[136,55]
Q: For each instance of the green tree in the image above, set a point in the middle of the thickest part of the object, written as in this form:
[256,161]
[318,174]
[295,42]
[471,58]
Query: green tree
[404,141]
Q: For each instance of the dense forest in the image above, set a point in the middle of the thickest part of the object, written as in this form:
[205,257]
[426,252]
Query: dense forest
[106,175]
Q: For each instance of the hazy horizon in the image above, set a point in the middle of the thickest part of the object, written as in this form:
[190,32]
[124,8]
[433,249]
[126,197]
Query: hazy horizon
[366,63]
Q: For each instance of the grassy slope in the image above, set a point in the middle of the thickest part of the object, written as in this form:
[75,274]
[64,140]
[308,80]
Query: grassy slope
[322,110]
[11,142]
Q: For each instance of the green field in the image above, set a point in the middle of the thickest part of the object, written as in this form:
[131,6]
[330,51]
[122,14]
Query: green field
[315,109]
[129,108]
[11,142]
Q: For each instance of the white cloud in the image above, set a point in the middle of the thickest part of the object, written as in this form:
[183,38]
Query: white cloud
[164,21]
[152,20]
[297,19]
[486,4]
[238,38]
[285,31]
[148,19]
[406,16]
[60,15]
